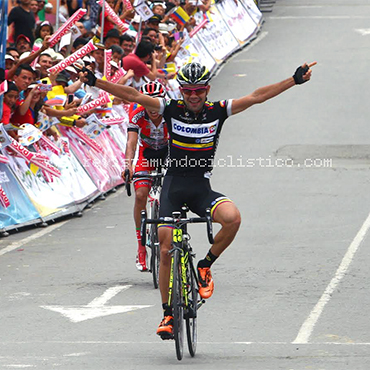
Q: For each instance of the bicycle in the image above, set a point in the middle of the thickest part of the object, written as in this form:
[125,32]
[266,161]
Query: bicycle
[152,232]
[184,295]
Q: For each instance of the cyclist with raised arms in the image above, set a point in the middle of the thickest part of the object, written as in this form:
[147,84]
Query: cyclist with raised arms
[194,125]
[149,129]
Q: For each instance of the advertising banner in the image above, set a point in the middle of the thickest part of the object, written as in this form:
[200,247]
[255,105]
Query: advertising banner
[105,167]
[238,19]
[52,194]
[3,38]
[200,53]
[253,11]
[21,209]
[217,37]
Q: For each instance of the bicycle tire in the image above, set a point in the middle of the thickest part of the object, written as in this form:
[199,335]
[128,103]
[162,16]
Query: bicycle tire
[177,306]
[191,311]
[154,245]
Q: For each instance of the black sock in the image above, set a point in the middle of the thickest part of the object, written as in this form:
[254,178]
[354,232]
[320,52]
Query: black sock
[208,260]
[167,310]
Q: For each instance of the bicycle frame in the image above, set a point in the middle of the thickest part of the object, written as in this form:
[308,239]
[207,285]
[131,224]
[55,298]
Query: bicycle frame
[183,282]
[182,247]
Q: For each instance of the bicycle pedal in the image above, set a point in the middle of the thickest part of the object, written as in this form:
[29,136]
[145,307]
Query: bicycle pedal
[166,336]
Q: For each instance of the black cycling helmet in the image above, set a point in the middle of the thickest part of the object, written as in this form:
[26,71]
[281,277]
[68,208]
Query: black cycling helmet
[154,89]
[193,74]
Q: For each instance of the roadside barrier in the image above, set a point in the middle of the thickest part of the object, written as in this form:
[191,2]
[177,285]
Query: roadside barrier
[91,165]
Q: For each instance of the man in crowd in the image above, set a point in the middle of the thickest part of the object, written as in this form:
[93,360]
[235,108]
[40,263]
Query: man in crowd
[127,44]
[137,61]
[23,20]
[23,44]
[24,76]
[45,61]
[112,38]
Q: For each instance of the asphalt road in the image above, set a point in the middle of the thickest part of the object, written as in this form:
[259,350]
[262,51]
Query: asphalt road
[292,290]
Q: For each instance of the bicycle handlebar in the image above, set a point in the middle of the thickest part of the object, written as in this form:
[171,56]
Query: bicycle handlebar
[178,222]
[155,175]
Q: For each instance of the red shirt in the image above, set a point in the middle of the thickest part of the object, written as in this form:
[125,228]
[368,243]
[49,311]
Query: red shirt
[6,114]
[132,61]
[17,118]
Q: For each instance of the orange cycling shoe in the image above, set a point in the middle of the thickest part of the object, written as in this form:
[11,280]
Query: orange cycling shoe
[165,328]
[206,285]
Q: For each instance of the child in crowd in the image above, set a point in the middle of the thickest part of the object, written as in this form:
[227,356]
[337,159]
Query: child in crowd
[42,30]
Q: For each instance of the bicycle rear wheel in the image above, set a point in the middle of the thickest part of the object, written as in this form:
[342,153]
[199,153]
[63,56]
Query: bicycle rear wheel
[177,305]
[191,312]
[154,245]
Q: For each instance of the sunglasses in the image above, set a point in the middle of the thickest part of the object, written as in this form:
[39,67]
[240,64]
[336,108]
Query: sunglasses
[190,90]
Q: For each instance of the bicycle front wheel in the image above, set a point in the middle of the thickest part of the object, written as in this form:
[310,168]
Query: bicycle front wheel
[177,305]
[154,245]
[191,312]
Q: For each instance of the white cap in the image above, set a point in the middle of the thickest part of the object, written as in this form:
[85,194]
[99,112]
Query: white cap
[50,52]
[163,28]
[25,55]
[48,6]
[7,56]
[86,58]
[114,64]
[31,86]
[170,27]
[58,57]
[71,69]
[163,4]
[136,19]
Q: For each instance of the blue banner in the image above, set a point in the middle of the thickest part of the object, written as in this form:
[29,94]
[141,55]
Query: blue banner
[3,33]
[21,209]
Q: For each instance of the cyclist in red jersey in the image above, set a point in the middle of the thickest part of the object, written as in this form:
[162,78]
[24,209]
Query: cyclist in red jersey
[147,128]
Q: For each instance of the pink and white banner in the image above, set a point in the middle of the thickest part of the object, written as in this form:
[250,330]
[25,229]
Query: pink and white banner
[115,18]
[73,58]
[102,100]
[63,30]
[107,66]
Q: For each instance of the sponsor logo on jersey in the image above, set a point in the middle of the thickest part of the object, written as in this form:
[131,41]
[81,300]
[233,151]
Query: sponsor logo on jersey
[223,103]
[194,130]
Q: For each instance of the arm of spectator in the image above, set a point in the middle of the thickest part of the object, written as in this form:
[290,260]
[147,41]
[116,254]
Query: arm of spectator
[162,56]
[52,131]
[189,25]
[161,40]
[175,50]
[23,108]
[130,73]
[117,5]
[71,89]
[52,78]
[206,5]
[29,59]
[60,112]
[152,75]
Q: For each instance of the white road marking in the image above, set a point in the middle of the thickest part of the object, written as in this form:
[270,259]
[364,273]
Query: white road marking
[160,343]
[30,238]
[308,326]
[96,308]
[363,31]
[324,17]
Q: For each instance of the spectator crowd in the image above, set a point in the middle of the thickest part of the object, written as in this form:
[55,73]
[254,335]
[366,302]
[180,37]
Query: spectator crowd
[141,49]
